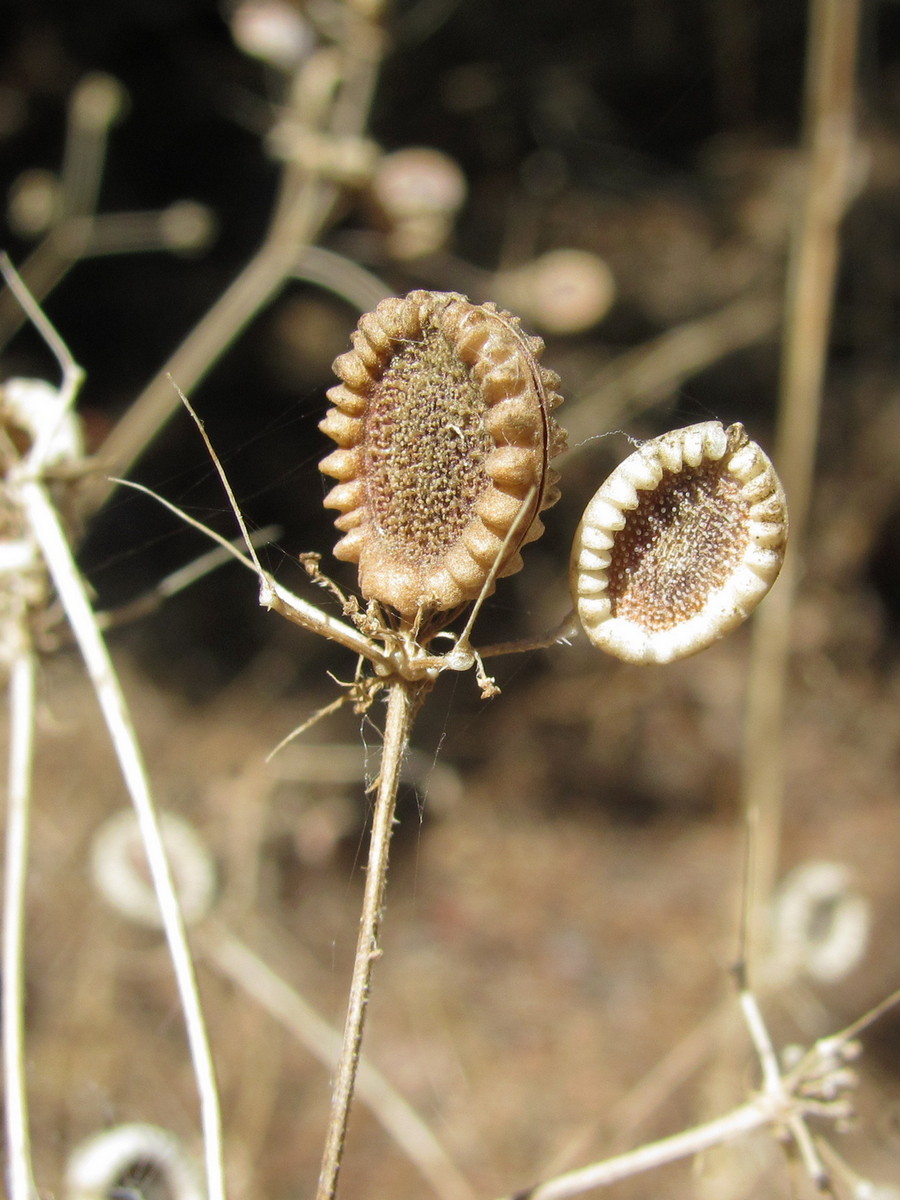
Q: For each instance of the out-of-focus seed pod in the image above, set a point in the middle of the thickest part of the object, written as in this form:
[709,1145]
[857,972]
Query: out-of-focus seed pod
[419,192]
[563,291]
[121,875]
[273,31]
[132,1159]
[820,925]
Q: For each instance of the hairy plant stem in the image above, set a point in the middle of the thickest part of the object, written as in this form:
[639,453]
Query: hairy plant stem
[403,701]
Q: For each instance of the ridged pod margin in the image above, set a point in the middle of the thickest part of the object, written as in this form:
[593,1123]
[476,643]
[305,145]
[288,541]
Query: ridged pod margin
[444,428]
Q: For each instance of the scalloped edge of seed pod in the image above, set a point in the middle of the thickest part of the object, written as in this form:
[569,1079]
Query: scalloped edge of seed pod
[519,397]
[726,606]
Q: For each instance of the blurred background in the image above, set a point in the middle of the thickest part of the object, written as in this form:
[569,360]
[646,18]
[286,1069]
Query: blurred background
[565,886]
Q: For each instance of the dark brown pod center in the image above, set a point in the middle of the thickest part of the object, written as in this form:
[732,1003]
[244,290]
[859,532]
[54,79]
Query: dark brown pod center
[681,543]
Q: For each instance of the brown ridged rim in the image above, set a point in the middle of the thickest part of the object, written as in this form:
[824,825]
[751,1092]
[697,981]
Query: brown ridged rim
[508,442]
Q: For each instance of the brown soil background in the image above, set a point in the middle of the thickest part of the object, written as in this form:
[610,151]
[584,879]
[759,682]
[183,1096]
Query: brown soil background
[564,915]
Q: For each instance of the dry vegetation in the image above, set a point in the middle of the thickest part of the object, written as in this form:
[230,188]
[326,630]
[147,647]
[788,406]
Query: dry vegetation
[566,878]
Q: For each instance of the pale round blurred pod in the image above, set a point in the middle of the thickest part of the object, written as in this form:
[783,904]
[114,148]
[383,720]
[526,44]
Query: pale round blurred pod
[418,192]
[820,925]
[274,31]
[564,291]
[679,544]
[34,203]
[130,1160]
[120,873]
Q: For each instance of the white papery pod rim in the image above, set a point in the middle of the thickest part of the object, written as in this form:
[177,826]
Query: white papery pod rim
[820,925]
[97,1165]
[760,525]
[120,873]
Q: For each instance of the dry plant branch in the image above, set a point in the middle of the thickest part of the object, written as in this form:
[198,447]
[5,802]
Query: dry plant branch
[817,1085]
[677,547]
[322,130]
[46,416]
[64,209]
[829,140]
[95,105]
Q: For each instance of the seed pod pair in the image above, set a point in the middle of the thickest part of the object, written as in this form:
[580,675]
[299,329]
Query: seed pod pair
[445,433]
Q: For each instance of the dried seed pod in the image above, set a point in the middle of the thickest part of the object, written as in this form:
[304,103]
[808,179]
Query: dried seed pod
[679,545]
[445,436]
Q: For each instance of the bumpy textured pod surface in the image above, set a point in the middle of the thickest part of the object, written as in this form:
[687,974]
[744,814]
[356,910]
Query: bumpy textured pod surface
[679,545]
[445,435]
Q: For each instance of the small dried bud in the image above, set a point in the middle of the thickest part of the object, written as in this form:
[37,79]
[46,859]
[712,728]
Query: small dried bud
[445,436]
[679,545]
[35,202]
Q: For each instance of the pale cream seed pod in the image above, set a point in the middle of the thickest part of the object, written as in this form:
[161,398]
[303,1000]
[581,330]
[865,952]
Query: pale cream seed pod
[820,925]
[121,875]
[419,191]
[679,544]
[564,291]
[274,31]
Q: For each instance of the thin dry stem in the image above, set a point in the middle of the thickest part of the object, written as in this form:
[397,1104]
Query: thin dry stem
[85,151]
[694,1141]
[20,1176]
[58,556]
[305,200]
[817,1086]
[276,597]
[829,135]
[403,700]
[246,970]
[72,374]
[639,378]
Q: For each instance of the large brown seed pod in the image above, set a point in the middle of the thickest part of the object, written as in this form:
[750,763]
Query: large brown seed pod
[445,435]
[679,544]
